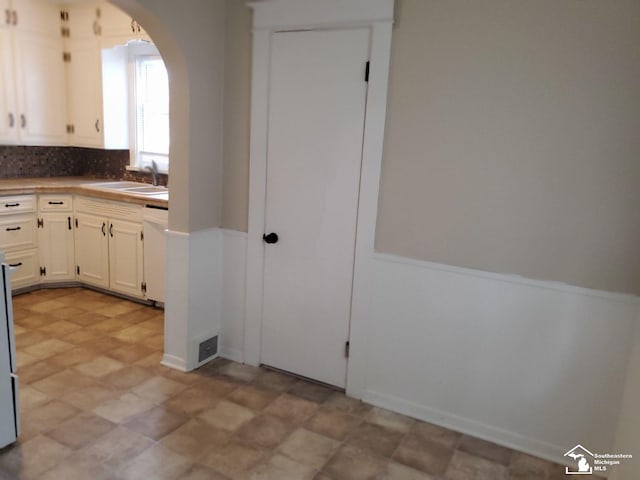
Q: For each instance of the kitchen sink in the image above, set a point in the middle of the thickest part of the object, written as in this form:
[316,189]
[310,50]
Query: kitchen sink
[146,190]
[116,185]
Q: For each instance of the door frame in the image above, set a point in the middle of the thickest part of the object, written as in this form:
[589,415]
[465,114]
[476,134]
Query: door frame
[277,15]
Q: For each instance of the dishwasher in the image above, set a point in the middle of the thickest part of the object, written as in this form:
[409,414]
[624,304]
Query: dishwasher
[155,221]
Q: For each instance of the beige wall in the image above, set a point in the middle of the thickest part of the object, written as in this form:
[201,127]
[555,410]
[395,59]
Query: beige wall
[237,104]
[512,137]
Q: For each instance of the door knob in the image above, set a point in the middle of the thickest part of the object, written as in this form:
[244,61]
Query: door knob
[270,238]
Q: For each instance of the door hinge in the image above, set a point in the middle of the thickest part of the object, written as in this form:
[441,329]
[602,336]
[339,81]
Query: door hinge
[346,349]
[366,71]
[40,223]
[43,271]
[143,287]
[66,57]
[141,236]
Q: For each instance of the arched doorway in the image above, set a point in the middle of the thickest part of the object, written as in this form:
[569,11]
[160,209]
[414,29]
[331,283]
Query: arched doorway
[190,38]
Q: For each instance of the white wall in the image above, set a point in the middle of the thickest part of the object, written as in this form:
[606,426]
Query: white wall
[628,435]
[193,309]
[234,268]
[538,366]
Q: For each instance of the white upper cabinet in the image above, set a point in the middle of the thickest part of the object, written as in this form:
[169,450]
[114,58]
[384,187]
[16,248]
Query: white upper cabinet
[33,101]
[83,20]
[117,28]
[41,88]
[7,88]
[84,87]
[36,16]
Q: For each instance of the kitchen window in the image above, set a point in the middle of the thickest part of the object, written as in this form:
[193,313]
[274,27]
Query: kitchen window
[149,108]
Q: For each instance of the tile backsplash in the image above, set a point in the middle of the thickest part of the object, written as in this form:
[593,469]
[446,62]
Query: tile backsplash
[23,161]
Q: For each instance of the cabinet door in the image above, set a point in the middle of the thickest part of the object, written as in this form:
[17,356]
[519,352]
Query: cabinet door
[126,257]
[55,242]
[116,23]
[84,20]
[92,249]
[8,132]
[84,84]
[38,17]
[40,79]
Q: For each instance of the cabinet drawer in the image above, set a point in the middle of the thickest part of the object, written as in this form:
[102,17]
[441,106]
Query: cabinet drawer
[15,204]
[104,208]
[55,203]
[18,232]
[25,270]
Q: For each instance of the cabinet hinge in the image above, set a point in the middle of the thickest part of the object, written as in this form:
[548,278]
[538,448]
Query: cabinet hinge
[65,32]
[366,72]
[346,349]
[40,223]
[66,57]
[78,269]
[43,271]
[64,15]
[143,287]
[71,128]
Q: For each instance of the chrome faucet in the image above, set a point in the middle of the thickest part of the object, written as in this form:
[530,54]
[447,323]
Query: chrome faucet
[153,168]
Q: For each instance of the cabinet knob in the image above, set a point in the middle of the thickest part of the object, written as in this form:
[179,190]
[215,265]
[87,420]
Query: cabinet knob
[12,121]
[23,120]
[98,125]
[104,232]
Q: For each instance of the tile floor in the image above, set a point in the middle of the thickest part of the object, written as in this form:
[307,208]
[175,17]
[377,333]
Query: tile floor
[96,404]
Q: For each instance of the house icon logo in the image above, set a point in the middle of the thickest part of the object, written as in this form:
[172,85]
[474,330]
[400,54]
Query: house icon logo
[583,459]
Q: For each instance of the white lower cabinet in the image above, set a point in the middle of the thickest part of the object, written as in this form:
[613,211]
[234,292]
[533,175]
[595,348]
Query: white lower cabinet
[109,249]
[55,238]
[92,250]
[24,268]
[18,238]
[125,258]
[59,238]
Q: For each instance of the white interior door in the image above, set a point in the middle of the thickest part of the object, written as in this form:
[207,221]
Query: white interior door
[317,97]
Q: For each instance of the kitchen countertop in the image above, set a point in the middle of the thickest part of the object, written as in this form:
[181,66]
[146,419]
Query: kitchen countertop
[80,186]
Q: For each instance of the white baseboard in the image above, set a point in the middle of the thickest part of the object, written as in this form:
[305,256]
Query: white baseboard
[174,362]
[467,426]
